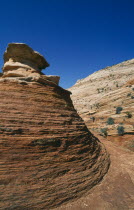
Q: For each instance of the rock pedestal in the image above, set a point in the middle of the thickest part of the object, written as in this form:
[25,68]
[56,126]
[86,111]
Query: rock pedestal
[48,156]
[22,61]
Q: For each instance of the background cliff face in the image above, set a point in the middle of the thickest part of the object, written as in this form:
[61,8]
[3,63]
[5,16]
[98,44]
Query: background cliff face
[105,100]
[48,156]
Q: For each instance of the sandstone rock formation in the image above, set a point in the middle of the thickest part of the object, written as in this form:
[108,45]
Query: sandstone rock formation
[47,154]
[98,97]
[22,53]
[116,191]
[22,61]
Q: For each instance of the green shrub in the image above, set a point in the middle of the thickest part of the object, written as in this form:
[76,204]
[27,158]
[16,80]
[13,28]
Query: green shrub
[104,131]
[129,94]
[118,109]
[98,90]
[129,115]
[110,121]
[92,118]
[120,130]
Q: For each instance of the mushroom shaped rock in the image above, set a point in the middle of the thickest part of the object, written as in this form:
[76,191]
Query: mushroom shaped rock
[48,156]
[21,53]
[20,60]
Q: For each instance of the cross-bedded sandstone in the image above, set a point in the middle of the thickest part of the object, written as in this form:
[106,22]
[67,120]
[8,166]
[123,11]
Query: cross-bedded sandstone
[48,156]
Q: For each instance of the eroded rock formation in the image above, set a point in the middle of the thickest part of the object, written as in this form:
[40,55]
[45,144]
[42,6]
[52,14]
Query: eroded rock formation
[48,156]
[22,61]
[98,97]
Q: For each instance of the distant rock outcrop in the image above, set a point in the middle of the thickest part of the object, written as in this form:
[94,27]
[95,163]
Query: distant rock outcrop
[98,98]
[48,156]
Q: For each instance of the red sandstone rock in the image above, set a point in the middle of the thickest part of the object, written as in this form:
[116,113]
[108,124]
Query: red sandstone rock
[47,154]
[116,191]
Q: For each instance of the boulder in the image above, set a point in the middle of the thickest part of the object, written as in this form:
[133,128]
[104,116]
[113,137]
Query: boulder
[19,54]
[22,61]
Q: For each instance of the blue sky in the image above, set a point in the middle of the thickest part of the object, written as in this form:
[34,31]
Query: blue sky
[77,37]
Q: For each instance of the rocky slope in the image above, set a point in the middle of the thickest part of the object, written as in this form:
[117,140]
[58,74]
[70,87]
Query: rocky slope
[47,154]
[116,191]
[105,100]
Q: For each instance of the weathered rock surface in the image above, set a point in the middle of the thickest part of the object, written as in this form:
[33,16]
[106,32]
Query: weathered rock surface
[47,155]
[17,53]
[22,61]
[116,191]
[97,97]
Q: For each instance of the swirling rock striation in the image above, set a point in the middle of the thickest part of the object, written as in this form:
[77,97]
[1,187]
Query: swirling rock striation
[48,156]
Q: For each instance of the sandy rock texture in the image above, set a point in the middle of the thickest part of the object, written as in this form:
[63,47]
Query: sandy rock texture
[20,60]
[48,157]
[98,96]
[22,53]
[116,191]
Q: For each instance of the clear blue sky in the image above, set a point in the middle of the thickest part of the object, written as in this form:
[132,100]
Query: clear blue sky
[77,37]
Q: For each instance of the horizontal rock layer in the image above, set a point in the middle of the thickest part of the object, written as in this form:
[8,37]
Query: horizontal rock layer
[97,97]
[48,156]
[22,53]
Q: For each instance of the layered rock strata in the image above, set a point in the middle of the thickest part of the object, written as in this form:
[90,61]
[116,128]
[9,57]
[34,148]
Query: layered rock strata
[22,61]
[48,156]
[98,98]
